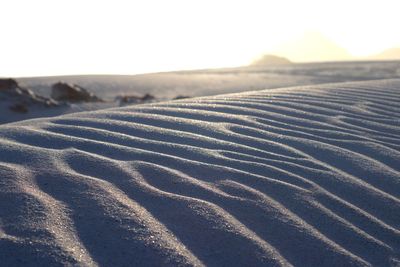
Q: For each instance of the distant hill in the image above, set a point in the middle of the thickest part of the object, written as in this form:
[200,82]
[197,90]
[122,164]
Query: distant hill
[313,47]
[268,60]
[389,54]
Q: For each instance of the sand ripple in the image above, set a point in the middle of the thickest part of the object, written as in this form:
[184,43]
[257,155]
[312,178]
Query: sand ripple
[306,176]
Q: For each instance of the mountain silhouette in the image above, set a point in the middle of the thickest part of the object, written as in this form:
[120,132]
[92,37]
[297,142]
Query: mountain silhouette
[269,60]
[388,54]
[312,47]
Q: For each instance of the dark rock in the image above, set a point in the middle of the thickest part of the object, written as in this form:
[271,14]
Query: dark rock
[180,97]
[8,84]
[21,98]
[148,97]
[20,108]
[72,93]
[135,99]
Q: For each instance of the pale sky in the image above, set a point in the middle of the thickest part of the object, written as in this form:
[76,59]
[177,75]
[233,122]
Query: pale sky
[55,37]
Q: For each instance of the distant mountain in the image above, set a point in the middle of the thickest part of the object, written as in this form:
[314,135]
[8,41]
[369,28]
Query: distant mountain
[389,54]
[313,47]
[269,60]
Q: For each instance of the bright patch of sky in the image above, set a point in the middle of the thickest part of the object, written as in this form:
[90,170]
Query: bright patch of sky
[53,37]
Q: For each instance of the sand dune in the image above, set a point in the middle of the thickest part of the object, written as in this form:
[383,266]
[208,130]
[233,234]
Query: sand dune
[306,176]
[192,83]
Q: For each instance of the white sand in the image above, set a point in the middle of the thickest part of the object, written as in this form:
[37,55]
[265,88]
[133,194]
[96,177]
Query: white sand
[195,83]
[306,176]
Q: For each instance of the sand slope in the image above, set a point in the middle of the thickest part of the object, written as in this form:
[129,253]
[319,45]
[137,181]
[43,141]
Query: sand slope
[195,83]
[306,176]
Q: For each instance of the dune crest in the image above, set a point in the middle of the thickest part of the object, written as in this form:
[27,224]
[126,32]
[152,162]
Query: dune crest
[305,176]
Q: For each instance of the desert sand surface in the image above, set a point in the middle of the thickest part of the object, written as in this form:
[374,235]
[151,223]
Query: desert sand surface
[301,176]
[194,83]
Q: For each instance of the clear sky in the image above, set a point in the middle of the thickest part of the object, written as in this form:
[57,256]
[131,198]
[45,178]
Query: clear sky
[53,37]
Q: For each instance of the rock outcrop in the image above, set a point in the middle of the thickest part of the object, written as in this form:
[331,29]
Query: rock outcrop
[7,84]
[19,98]
[134,99]
[72,93]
